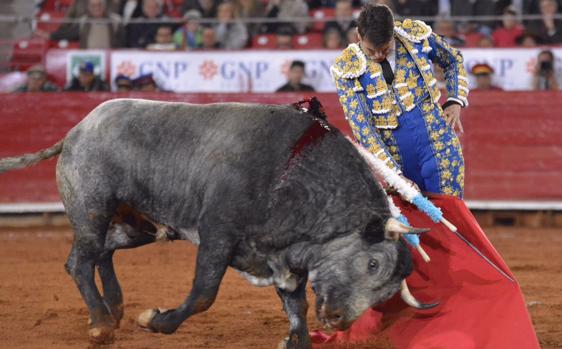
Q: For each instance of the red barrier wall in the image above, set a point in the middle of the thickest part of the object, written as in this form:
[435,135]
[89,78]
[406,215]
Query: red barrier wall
[512,141]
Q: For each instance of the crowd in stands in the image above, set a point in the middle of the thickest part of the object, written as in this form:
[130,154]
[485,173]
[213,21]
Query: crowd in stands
[233,24]
[184,25]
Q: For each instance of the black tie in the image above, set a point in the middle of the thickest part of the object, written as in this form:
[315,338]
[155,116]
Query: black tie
[387,71]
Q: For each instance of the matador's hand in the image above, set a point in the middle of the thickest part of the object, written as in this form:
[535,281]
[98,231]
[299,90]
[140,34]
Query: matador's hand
[452,115]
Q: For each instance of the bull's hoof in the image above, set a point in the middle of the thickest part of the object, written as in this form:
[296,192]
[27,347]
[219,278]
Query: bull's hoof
[293,342]
[118,313]
[145,317]
[116,323]
[101,335]
[283,343]
[159,320]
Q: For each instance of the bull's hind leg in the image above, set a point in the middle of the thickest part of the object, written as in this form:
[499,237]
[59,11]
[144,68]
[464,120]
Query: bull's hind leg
[87,250]
[213,257]
[112,295]
[121,235]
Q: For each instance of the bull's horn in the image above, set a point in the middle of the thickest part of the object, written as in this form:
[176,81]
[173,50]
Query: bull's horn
[411,300]
[394,228]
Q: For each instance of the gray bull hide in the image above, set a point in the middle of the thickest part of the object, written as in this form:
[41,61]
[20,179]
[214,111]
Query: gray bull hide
[222,176]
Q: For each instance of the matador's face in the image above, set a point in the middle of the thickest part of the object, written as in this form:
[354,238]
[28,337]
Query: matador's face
[376,53]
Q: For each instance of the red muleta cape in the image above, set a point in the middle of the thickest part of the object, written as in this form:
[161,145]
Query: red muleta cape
[479,307]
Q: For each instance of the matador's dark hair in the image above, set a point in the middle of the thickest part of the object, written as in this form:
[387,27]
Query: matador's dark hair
[376,24]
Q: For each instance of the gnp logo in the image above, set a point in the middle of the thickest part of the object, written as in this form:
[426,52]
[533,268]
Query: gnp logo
[126,68]
[208,69]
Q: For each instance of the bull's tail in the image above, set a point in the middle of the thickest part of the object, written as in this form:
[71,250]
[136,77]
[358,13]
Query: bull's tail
[26,160]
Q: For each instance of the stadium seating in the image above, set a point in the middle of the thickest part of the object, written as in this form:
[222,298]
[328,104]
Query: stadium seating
[27,53]
[264,41]
[308,41]
[47,20]
[321,13]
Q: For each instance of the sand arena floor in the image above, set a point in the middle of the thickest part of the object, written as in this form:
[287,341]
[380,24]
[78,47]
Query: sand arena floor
[40,306]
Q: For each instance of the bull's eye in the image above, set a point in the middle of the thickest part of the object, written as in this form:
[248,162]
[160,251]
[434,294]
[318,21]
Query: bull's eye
[373,265]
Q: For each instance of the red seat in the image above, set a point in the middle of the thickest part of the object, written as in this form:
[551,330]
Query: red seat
[173,8]
[319,14]
[48,5]
[266,41]
[47,20]
[64,44]
[27,52]
[57,5]
[308,41]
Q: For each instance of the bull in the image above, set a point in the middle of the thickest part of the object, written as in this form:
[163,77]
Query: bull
[272,191]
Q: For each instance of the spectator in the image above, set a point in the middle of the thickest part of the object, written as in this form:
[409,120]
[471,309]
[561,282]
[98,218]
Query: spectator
[484,75]
[93,35]
[130,9]
[207,8]
[209,39]
[528,40]
[290,10]
[470,34]
[531,7]
[123,83]
[344,19]
[145,83]
[333,39]
[447,30]
[486,42]
[190,35]
[315,4]
[351,35]
[139,34]
[544,77]
[249,9]
[284,38]
[548,29]
[87,80]
[296,74]
[478,7]
[37,81]
[231,33]
[416,8]
[78,9]
[163,40]
[389,3]
[507,34]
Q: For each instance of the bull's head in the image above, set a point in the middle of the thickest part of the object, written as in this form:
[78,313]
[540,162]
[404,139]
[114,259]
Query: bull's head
[360,271]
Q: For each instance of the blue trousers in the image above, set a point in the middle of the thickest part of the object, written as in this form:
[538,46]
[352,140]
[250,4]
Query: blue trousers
[428,150]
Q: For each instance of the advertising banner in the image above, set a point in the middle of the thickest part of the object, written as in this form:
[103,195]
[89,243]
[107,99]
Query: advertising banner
[265,71]
[262,71]
[240,71]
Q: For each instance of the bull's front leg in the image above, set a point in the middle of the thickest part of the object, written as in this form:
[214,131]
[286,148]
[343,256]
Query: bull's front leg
[296,306]
[213,258]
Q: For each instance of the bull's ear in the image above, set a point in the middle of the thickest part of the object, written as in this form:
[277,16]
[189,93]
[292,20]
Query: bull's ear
[393,228]
[374,230]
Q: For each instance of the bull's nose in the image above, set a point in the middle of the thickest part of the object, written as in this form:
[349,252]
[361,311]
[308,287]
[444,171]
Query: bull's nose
[334,318]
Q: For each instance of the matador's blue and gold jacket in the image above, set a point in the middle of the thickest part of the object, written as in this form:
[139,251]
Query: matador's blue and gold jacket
[371,106]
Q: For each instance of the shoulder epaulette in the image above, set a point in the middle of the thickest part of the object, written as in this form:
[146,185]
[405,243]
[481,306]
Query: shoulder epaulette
[412,30]
[352,63]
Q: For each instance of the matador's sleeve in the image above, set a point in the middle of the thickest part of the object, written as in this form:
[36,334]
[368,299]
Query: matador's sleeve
[451,60]
[357,113]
